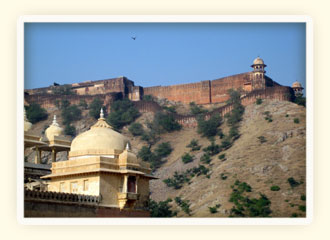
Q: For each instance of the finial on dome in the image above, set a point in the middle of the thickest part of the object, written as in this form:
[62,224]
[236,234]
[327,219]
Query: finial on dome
[54,121]
[127,147]
[101,113]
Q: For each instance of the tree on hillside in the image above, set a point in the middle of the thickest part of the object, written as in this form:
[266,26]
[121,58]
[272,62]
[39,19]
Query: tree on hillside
[122,113]
[209,128]
[35,113]
[95,108]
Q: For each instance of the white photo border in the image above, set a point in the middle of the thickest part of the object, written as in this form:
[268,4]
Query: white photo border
[163,19]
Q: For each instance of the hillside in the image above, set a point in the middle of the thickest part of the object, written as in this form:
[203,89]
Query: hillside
[261,165]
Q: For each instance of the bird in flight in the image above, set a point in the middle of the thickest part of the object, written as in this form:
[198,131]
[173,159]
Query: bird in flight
[133,38]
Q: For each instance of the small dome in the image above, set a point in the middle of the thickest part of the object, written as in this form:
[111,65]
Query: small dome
[257,61]
[53,130]
[296,85]
[100,139]
[27,124]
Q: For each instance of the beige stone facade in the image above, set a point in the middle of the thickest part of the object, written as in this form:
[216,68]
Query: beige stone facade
[101,164]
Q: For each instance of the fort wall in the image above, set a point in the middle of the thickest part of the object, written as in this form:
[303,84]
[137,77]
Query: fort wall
[280,93]
[49,100]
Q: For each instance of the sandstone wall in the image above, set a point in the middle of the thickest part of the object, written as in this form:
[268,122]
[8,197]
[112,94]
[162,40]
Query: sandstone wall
[202,92]
[49,100]
[186,93]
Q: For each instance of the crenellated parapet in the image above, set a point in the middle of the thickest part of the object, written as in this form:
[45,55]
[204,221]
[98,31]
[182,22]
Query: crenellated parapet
[60,197]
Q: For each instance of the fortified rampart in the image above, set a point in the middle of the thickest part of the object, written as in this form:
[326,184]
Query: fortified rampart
[206,92]
[49,100]
[280,93]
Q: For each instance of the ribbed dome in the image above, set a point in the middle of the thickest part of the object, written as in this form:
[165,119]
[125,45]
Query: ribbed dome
[258,60]
[53,130]
[296,85]
[100,139]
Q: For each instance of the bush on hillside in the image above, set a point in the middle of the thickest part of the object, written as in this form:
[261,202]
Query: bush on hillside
[83,104]
[70,114]
[187,158]
[209,128]
[122,113]
[35,113]
[161,209]
[136,129]
[195,109]
[164,149]
[164,122]
[95,108]
[300,100]
[70,130]
[194,145]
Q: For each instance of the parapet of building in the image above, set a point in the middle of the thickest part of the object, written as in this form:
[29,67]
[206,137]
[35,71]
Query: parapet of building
[101,163]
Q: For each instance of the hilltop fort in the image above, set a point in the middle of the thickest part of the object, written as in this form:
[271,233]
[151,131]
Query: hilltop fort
[203,92]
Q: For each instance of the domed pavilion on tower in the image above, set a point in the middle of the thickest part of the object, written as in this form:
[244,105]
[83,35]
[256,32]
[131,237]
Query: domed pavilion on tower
[100,163]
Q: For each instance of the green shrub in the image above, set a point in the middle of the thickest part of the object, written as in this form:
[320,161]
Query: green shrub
[233,132]
[268,116]
[164,122]
[302,208]
[70,130]
[296,120]
[171,109]
[64,103]
[293,183]
[164,149]
[35,113]
[209,128]
[195,109]
[244,206]
[150,137]
[136,129]
[161,209]
[300,100]
[123,112]
[223,176]
[148,98]
[259,101]
[212,149]
[303,197]
[184,204]
[275,188]
[194,145]
[225,144]
[187,158]
[83,104]
[294,215]
[70,114]
[178,180]
[222,157]
[287,115]
[206,158]
[95,108]
[262,139]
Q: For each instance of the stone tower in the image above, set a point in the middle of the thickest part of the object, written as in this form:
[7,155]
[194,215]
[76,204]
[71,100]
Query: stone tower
[258,76]
[297,88]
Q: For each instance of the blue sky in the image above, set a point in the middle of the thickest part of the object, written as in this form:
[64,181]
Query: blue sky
[163,53]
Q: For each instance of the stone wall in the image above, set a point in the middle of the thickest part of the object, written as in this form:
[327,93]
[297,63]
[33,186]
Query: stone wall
[277,92]
[50,204]
[49,100]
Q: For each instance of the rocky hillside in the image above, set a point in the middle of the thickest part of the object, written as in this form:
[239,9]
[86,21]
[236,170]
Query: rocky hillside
[265,156]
